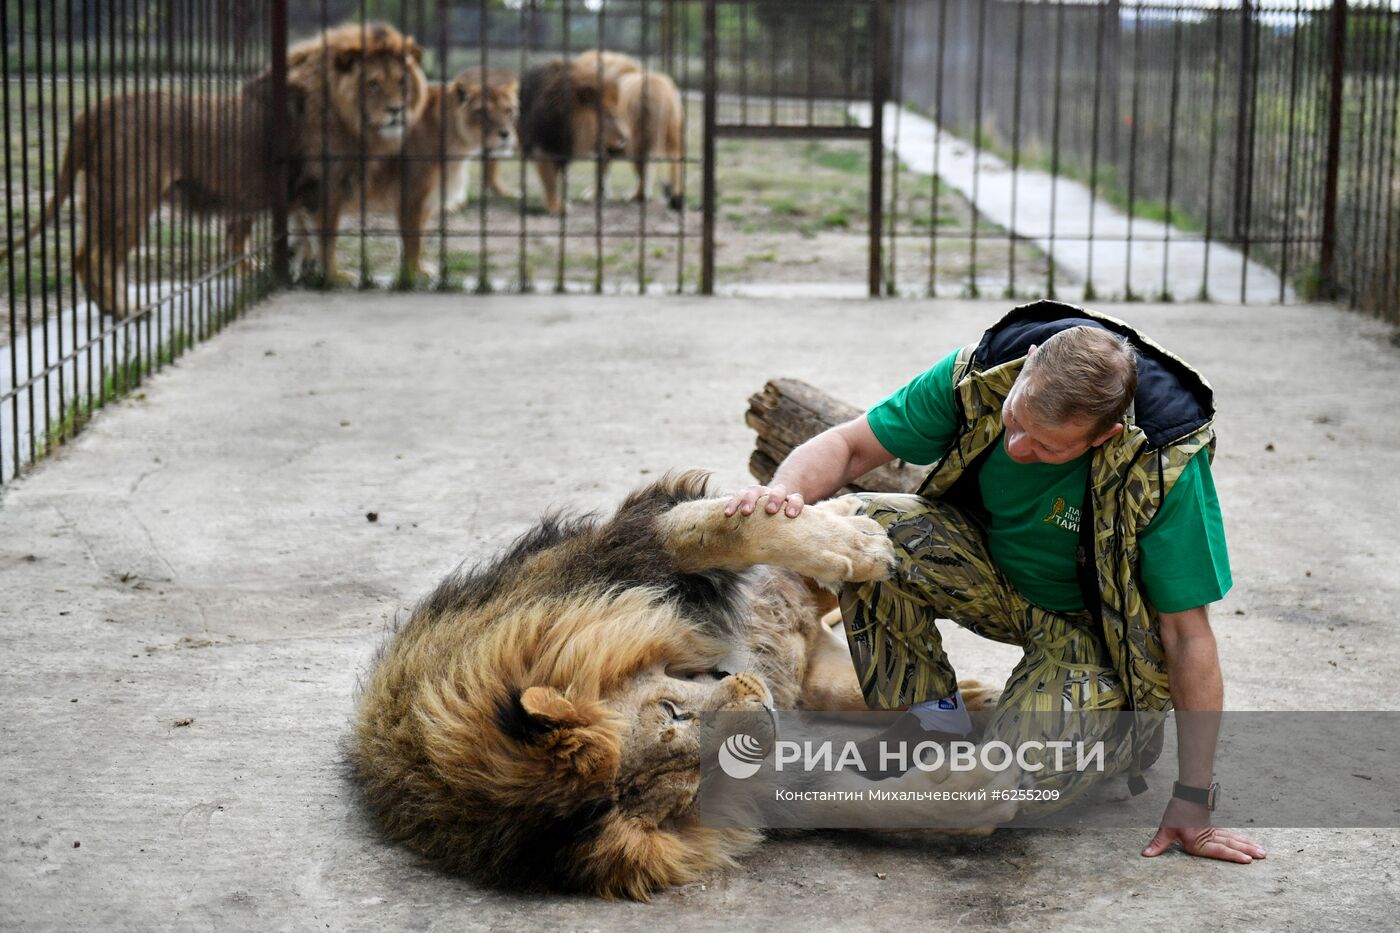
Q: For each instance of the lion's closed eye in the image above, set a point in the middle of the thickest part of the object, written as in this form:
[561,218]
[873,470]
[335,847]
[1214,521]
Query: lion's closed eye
[713,673]
[675,712]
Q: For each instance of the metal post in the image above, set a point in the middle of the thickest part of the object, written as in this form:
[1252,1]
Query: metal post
[879,93]
[1242,121]
[281,256]
[707,227]
[1327,260]
[1110,53]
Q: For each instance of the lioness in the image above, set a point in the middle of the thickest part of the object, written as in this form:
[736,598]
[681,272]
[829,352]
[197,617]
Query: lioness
[364,89]
[464,118]
[568,110]
[213,155]
[650,106]
[535,718]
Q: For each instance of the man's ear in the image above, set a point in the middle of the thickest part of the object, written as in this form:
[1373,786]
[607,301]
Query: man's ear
[1108,435]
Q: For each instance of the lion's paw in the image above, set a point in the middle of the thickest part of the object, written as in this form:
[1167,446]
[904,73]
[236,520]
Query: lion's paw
[841,505]
[852,548]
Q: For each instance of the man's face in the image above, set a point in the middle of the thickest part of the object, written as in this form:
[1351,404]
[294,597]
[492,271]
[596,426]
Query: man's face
[1028,441]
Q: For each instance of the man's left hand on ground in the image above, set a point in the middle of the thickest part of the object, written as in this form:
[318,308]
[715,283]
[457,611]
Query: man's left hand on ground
[1201,838]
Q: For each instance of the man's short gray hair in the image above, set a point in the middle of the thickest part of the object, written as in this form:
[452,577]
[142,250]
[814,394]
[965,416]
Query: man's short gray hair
[1080,374]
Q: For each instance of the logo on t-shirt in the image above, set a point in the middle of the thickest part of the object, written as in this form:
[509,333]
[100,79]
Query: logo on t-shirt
[1064,515]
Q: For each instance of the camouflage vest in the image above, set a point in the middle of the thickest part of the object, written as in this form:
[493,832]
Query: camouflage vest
[1129,475]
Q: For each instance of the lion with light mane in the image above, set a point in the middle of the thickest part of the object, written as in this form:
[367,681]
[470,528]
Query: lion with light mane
[536,718]
[365,89]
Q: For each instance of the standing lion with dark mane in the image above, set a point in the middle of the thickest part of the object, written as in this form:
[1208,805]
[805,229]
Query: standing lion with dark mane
[537,718]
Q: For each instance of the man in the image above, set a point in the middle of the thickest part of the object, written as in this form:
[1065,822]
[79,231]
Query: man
[1070,513]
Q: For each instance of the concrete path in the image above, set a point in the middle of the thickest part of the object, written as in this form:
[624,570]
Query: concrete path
[189,592]
[1059,215]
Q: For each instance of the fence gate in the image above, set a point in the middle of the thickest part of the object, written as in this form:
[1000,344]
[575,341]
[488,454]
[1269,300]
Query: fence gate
[784,70]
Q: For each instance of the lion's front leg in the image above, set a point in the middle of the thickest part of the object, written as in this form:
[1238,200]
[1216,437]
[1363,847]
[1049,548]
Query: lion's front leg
[826,542]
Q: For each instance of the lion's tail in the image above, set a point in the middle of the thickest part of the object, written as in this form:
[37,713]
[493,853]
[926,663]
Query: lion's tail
[63,188]
[675,145]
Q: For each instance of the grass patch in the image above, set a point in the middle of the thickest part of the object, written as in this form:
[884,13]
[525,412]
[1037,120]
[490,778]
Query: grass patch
[785,206]
[120,380]
[841,160]
[837,219]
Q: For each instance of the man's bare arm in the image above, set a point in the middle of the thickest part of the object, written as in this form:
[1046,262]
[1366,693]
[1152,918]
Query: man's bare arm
[816,469]
[1198,692]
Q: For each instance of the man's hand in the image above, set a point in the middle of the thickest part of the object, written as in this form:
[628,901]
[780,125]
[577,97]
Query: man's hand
[1188,824]
[747,498]
[1198,693]
[819,467]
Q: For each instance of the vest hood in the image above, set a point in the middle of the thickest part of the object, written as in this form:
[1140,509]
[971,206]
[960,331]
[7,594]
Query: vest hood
[1172,401]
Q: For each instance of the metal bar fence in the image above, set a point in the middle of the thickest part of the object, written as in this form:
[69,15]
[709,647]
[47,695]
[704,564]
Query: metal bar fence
[1234,152]
[131,127]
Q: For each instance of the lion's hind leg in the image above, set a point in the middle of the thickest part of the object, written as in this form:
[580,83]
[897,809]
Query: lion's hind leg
[829,681]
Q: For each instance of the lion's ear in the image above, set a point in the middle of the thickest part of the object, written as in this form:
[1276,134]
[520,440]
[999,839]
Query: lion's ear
[415,51]
[467,94]
[575,742]
[550,709]
[345,59]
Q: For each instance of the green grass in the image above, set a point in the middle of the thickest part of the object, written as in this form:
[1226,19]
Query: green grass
[785,206]
[848,161]
[840,219]
[119,381]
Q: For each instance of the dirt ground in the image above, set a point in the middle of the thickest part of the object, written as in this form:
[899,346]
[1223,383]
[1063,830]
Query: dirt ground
[190,591]
[789,212]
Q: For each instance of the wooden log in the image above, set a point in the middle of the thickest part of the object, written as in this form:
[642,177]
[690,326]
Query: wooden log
[788,412]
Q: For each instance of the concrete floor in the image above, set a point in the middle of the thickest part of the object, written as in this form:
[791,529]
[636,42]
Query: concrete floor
[202,553]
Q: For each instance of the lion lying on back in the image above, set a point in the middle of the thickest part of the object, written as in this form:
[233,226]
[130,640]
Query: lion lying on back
[536,718]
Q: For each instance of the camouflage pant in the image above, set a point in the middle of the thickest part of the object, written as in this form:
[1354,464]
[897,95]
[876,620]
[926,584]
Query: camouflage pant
[1063,688]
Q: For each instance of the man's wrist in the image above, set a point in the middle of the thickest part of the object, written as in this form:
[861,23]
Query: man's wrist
[1181,814]
[1205,795]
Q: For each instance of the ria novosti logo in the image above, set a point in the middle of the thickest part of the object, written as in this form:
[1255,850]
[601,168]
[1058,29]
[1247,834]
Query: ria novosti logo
[741,756]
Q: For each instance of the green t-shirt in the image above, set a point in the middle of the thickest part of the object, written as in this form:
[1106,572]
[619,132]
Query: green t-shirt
[1033,509]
